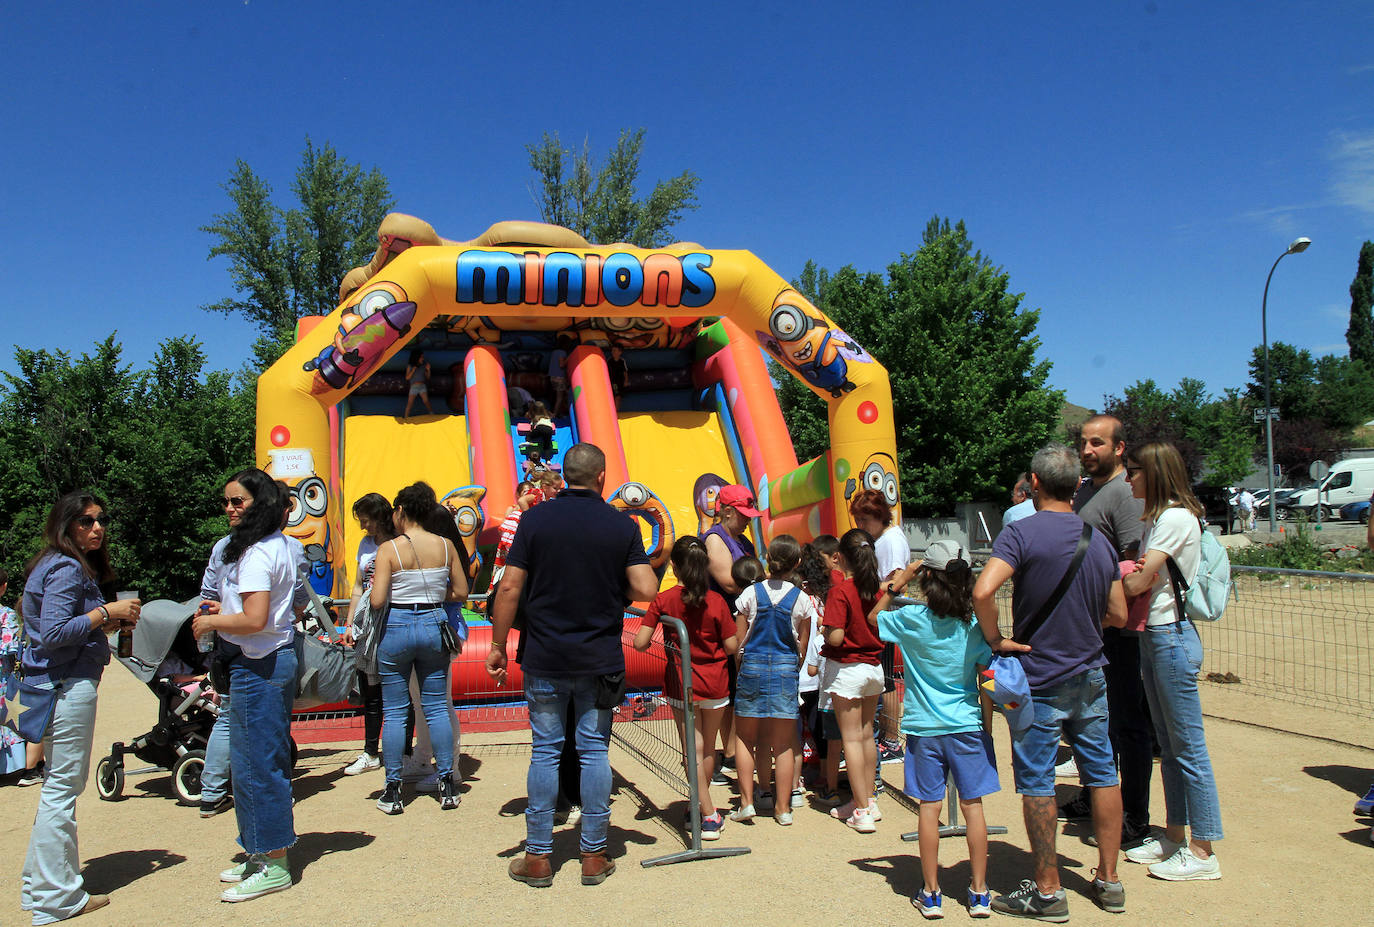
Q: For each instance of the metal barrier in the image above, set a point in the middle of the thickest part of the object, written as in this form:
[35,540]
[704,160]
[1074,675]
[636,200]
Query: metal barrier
[1297,636]
[649,730]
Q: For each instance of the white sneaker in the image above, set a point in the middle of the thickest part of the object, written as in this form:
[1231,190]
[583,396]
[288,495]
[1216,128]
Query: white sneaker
[744,813]
[1153,850]
[798,799]
[365,762]
[874,811]
[1066,770]
[1183,866]
[429,783]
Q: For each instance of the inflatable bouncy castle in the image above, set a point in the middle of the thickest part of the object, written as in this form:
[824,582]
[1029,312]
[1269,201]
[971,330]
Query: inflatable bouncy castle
[696,408]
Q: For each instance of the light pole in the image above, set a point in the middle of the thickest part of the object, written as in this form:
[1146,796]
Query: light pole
[1298,246]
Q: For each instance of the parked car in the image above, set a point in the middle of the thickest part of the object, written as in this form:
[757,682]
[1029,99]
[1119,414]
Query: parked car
[1356,511]
[1281,497]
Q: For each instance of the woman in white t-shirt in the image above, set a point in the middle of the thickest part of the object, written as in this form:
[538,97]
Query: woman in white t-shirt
[254,621]
[1170,657]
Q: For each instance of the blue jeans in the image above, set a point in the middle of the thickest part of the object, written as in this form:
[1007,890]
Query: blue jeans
[1075,709]
[548,702]
[1170,657]
[260,748]
[411,641]
[52,886]
[214,778]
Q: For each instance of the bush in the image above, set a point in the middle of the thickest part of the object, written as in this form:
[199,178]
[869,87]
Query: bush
[1298,551]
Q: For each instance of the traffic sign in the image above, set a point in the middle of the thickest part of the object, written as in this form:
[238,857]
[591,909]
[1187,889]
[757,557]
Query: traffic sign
[1273,413]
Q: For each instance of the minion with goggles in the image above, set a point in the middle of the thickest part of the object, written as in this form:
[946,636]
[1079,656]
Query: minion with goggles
[306,522]
[809,345]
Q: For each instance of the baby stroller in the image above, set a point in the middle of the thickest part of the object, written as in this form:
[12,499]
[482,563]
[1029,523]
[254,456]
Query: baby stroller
[164,646]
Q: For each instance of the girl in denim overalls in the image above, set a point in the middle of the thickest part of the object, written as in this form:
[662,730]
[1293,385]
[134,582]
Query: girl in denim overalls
[772,615]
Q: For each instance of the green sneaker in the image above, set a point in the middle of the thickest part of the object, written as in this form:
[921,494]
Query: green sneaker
[243,870]
[273,877]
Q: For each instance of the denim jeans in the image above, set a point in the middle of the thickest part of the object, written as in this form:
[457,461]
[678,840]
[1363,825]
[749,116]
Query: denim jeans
[260,748]
[214,778]
[411,642]
[51,886]
[1170,657]
[1129,724]
[1075,709]
[548,703]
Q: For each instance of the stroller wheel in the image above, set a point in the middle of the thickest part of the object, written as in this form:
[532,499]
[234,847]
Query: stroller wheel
[186,777]
[109,779]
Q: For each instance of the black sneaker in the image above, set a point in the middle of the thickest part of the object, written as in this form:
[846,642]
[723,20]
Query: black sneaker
[209,809]
[390,802]
[1027,902]
[448,794]
[32,776]
[1079,808]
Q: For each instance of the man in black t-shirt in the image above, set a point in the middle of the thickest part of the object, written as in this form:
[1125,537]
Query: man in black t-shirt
[581,562]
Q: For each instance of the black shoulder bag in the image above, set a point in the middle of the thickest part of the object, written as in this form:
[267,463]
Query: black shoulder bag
[1053,601]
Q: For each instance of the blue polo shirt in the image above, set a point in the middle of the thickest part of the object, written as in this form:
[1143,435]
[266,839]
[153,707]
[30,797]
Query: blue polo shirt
[575,550]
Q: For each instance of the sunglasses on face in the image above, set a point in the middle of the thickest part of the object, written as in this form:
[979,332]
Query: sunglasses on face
[234,502]
[86,521]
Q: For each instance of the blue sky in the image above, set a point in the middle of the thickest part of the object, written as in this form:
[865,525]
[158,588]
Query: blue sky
[1136,168]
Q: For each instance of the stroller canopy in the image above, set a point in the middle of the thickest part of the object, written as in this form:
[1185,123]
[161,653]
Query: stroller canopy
[158,625]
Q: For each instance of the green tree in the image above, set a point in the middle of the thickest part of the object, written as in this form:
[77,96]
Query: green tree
[287,263]
[156,444]
[1344,396]
[1215,436]
[1293,380]
[1360,335]
[599,202]
[970,401]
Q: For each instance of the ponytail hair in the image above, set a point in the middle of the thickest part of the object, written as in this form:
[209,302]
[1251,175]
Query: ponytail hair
[783,556]
[856,547]
[690,564]
[746,571]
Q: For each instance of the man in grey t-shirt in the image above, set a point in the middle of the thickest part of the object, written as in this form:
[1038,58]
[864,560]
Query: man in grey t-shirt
[1104,500]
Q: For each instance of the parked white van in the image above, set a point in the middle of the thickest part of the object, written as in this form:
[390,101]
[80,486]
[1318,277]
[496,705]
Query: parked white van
[1349,481]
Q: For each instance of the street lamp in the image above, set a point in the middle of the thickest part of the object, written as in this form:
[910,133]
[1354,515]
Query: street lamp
[1298,246]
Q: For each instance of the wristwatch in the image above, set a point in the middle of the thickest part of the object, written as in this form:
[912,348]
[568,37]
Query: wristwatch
[890,591]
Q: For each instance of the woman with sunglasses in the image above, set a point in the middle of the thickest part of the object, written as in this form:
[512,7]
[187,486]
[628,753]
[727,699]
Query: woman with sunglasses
[1170,657]
[66,619]
[253,618]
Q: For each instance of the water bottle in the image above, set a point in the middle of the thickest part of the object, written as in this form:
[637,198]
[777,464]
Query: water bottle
[205,643]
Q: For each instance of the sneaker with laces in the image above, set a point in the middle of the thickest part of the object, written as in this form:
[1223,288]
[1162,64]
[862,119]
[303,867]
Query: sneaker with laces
[784,818]
[742,813]
[1183,866]
[878,784]
[272,877]
[711,826]
[979,903]
[798,799]
[874,811]
[889,752]
[1366,805]
[1110,896]
[1067,769]
[861,821]
[365,762]
[244,869]
[930,906]
[1027,902]
[209,809]
[390,802]
[1079,808]
[448,794]
[1152,850]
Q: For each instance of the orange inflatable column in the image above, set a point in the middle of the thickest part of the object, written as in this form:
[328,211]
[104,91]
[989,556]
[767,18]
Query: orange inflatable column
[594,411]
[491,456]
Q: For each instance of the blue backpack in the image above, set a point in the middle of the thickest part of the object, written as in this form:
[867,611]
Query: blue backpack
[1205,599]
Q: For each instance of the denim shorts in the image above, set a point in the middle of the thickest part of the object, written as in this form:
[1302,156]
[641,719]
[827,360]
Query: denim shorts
[968,757]
[1075,709]
[767,688]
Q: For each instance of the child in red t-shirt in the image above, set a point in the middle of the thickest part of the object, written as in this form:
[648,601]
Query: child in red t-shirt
[854,675]
[711,639]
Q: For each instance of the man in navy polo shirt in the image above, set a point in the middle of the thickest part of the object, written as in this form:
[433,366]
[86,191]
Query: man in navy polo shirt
[583,562]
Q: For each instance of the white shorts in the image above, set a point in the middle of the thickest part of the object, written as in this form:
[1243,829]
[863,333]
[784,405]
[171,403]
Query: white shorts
[852,680]
[676,703]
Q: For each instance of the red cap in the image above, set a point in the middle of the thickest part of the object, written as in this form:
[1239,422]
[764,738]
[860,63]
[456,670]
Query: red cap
[739,499]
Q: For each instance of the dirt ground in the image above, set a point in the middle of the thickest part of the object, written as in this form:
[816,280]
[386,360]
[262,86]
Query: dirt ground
[355,865]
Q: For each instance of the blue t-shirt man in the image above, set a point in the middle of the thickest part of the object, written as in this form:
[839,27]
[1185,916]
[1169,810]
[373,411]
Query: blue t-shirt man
[1039,550]
[942,656]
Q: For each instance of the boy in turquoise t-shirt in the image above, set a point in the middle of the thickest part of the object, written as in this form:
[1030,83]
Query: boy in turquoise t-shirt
[943,716]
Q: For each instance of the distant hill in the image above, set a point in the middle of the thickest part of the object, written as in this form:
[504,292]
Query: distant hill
[1072,416]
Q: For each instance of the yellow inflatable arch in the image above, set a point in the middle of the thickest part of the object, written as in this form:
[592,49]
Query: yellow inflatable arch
[531,276]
